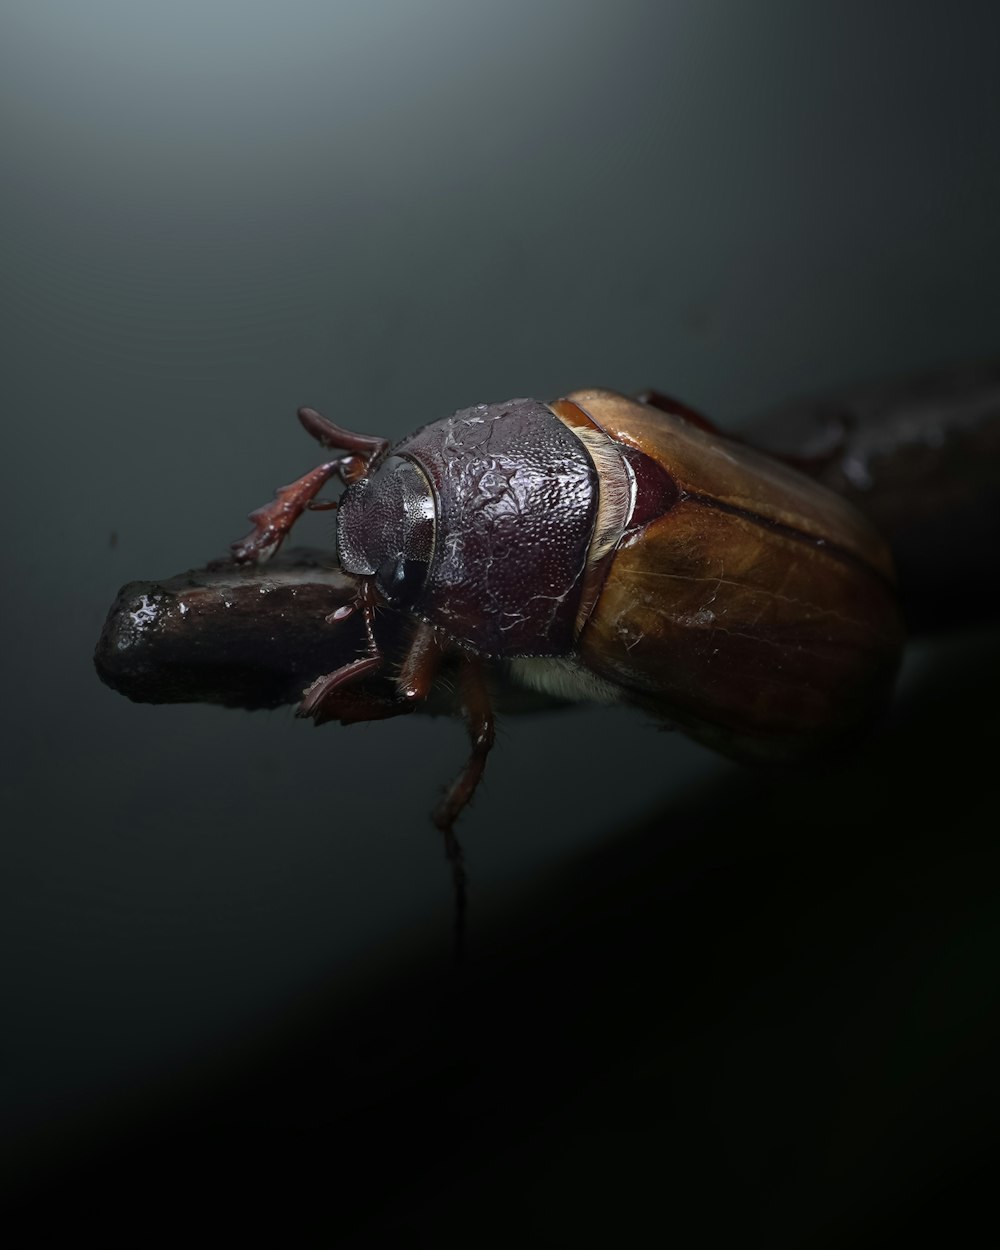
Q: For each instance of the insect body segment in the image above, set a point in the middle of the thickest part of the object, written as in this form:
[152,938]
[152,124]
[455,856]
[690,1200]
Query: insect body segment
[755,609]
[609,549]
[515,494]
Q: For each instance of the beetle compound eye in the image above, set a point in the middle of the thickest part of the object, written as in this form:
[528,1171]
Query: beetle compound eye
[401,581]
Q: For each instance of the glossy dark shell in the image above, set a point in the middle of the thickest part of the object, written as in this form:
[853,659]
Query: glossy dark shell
[515,495]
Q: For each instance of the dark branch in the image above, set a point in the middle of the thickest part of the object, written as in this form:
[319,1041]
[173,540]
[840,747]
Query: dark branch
[921,457]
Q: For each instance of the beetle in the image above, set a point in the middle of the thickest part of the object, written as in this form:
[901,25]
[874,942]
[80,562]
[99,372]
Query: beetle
[602,548]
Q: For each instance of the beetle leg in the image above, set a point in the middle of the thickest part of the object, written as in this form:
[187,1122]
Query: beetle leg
[367,601]
[667,403]
[272,522]
[479,718]
[318,700]
[414,682]
[316,696]
[420,664]
[416,677]
[350,706]
[810,462]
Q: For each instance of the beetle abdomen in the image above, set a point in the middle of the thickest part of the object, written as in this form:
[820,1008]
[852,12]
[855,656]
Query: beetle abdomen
[757,609]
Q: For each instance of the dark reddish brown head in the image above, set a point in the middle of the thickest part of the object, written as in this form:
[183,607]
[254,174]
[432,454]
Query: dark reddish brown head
[385,529]
[480,525]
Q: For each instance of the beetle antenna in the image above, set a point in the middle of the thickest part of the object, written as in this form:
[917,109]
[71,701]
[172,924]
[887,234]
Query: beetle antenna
[326,432]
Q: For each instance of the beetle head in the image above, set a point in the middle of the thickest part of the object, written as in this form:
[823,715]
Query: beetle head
[385,529]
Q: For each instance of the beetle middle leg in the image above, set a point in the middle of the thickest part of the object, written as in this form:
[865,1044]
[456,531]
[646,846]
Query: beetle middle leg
[420,664]
[479,719]
[416,676]
[666,403]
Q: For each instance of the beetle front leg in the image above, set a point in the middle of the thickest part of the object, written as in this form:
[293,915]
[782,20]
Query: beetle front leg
[350,706]
[272,522]
[318,700]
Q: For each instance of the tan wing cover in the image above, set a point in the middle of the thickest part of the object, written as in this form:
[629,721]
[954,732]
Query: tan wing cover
[758,612]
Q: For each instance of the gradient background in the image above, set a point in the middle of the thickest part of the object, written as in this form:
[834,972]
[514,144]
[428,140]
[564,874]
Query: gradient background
[225,937]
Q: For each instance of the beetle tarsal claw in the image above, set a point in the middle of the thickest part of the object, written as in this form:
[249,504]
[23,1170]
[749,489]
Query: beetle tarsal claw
[272,521]
[315,696]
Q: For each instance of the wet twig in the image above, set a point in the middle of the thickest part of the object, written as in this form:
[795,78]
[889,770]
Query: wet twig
[920,456]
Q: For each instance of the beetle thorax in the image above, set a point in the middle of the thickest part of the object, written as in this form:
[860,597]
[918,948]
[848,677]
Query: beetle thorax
[514,501]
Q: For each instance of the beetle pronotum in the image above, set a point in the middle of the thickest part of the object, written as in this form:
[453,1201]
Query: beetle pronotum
[603,548]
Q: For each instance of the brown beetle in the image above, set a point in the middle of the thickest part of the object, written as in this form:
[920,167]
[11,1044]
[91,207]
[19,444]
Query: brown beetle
[609,549]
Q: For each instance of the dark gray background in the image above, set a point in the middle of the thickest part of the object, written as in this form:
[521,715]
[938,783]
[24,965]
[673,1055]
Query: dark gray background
[215,212]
